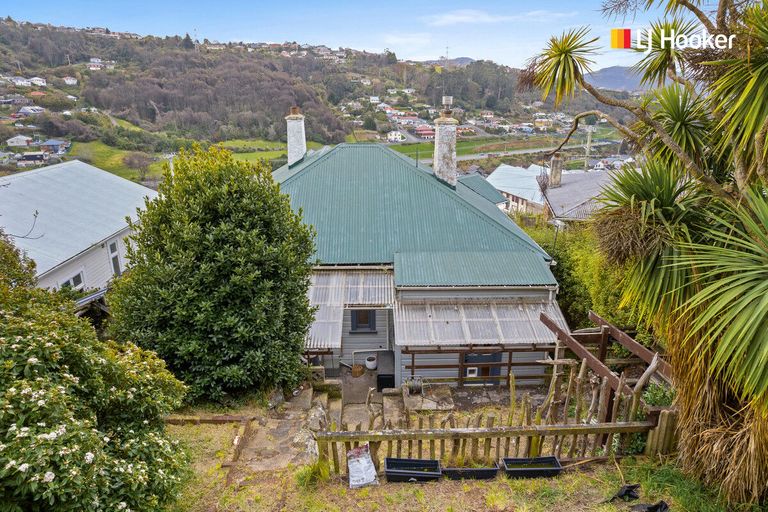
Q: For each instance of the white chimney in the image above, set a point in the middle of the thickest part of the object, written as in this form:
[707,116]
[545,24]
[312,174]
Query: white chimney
[555,171]
[297,141]
[444,162]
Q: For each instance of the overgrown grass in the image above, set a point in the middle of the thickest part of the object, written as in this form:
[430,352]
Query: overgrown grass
[208,447]
[110,159]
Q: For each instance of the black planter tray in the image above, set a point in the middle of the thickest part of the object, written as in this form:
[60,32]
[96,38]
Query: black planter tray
[536,467]
[411,470]
[486,473]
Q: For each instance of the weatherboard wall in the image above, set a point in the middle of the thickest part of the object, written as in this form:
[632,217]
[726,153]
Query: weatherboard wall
[94,263]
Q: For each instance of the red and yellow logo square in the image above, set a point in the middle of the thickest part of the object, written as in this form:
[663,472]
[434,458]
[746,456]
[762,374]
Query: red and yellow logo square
[621,38]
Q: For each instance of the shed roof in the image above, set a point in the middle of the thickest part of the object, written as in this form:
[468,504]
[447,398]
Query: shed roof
[368,202]
[77,206]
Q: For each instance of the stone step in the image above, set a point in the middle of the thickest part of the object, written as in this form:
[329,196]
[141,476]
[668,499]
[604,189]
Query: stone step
[300,402]
[320,398]
[334,410]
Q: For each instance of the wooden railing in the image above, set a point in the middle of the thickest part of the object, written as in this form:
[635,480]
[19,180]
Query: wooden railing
[577,442]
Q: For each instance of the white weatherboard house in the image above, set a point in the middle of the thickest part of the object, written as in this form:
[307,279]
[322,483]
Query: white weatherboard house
[417,266]
[70,218]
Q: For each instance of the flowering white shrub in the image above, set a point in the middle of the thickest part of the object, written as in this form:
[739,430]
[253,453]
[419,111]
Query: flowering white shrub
[80,420]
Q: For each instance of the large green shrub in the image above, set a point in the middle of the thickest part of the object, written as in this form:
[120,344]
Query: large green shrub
[220,268]
[587,280]
[80,420]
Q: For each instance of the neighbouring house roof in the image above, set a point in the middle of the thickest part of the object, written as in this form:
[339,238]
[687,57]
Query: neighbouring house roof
[447,324]
[77,206]
[472,269]
[54,142]
[576,197]
[519,181]
[480,185]
[368,203]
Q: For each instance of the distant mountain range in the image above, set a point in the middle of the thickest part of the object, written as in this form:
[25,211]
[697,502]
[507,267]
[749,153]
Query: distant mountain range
[616,78]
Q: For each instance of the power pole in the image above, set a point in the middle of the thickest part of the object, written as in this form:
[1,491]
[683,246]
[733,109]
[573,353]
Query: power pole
[590,129]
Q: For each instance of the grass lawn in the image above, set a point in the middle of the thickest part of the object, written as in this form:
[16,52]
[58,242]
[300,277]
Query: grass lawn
[585,488]
[110,159]
[266,149]
[481,145]
[127,125]
[362,136]
[252,143]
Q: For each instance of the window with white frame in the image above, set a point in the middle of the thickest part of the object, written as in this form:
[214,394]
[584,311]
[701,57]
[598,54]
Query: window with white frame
[75,282]
[114,258]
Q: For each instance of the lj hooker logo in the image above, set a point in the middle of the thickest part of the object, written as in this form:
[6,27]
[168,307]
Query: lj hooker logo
[646,40]
[621,38]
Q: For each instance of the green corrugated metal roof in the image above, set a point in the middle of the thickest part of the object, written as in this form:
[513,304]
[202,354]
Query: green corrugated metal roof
[471,269]
[482,187]
[368,202]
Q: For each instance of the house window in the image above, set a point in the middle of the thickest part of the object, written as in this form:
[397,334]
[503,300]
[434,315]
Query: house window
[363,320]
[75,282]
[114,257]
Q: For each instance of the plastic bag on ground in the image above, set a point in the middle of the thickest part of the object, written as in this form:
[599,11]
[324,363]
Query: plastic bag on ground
[627,493]
[362,472]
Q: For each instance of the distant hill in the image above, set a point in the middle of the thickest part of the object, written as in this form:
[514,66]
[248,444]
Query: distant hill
[616,78]
[458,62]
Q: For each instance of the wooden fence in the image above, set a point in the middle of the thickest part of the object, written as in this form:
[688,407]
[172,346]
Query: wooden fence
[589,412]
[490,443]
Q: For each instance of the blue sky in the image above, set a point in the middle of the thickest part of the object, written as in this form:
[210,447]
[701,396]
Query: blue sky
[508,32]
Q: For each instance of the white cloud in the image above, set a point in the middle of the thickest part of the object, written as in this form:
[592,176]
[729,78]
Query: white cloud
[475,16]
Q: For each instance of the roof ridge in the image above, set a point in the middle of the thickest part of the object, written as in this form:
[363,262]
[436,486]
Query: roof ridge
[446,190]
[467,205]
[40,170]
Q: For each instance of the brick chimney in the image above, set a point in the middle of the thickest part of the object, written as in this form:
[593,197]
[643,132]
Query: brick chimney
[444,162]
[555,171]
[297,141]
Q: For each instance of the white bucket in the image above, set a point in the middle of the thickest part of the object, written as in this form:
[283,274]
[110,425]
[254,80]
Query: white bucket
[371,362]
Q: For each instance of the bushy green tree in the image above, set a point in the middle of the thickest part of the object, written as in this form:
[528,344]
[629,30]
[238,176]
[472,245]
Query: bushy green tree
[220,268]
[81,421]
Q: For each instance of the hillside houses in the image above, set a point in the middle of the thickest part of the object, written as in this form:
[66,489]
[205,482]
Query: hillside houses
[19,141]
[434,281]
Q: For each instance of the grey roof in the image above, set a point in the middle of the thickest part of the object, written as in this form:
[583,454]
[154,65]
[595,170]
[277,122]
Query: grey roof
[519,181]
[77,206]
[576,197]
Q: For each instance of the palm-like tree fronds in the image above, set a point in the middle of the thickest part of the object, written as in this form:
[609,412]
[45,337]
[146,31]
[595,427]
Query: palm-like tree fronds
[730,312]
[684,116]
[563,63]
[647,213]
[739,95]
[662,58]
